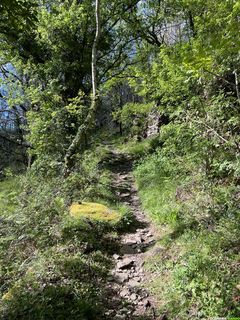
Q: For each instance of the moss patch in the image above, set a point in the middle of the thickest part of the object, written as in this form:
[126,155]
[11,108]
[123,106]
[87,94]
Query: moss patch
[7,296]
[95,211]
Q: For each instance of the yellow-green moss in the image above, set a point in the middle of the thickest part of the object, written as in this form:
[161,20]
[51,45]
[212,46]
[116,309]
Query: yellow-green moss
[95,211]
[7,296]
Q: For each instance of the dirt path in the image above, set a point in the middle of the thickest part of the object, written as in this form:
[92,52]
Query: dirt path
[128,273]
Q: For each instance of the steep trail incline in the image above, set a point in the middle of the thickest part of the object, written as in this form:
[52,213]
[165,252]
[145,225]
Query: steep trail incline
[128,274]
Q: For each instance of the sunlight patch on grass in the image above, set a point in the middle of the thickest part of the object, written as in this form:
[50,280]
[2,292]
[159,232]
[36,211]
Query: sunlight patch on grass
[9,190]
[136,147]
[159,201]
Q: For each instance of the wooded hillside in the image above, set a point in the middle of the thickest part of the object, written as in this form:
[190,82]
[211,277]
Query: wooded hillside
[120,159]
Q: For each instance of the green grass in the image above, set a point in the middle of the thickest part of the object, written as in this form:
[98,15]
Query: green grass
[51,264]
[197,268]
[159,201]
[135,148]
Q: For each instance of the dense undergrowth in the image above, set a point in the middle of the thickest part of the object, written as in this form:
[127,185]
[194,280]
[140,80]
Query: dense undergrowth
[54,266]
[198,218]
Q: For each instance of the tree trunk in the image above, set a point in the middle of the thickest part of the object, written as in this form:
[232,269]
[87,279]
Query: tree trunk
[236,84]
[94,52]
[191,24]
[82,130]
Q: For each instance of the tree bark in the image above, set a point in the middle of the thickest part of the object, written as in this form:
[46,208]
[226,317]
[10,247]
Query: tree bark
[237,84]
[82,130]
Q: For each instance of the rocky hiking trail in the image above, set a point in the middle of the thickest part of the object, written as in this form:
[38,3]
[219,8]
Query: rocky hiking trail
[128,274]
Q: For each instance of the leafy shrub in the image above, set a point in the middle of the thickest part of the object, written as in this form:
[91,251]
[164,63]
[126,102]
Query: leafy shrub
[133,117]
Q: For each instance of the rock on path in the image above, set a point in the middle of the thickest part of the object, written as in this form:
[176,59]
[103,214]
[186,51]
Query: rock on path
[128,274]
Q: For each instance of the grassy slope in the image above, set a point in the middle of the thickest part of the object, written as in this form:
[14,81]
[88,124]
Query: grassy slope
[53,265]
[197,266]
[48,256]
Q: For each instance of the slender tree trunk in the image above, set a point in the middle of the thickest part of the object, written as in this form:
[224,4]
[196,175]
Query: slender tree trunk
[94,52]
[82,130]
[236,84]
[191,24]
